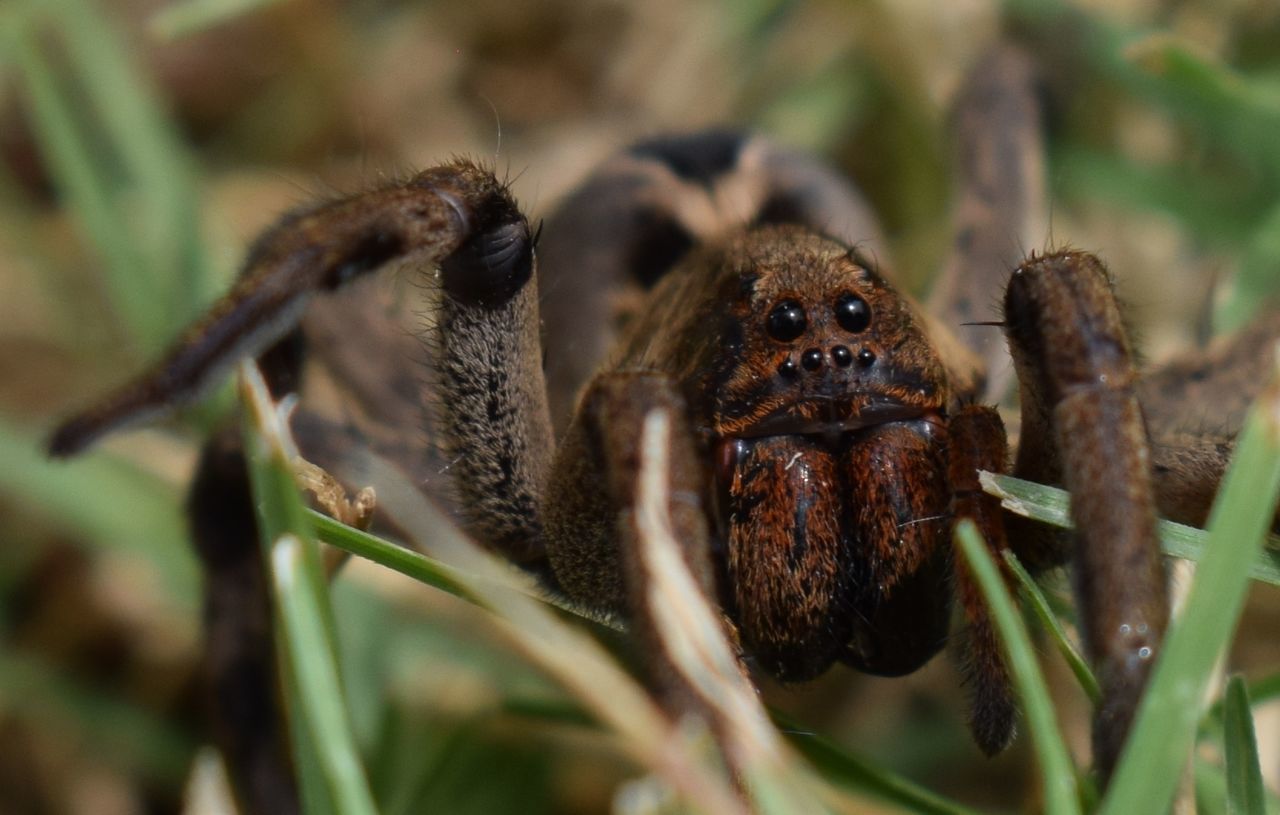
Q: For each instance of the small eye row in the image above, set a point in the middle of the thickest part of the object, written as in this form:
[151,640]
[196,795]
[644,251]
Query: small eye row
[787,320]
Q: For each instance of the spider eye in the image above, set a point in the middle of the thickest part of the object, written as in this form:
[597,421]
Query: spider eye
[852,313]
[786,321]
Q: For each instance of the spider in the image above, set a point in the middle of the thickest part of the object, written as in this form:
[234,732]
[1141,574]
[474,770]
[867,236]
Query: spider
[828,432]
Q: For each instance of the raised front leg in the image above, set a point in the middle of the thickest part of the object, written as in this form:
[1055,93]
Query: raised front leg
[457,217]
[1082,427]
[492,404]
[493,397]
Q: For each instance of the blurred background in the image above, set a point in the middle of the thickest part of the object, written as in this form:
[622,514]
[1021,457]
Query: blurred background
[144,144]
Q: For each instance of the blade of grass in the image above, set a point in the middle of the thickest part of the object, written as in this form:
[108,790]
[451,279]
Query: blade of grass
[271,451]
[844,769]
[183,19]
[157,174]
[1226,107]
[427,570]
[1040,607]
[688,635]
[1164,731]
[1211,790]
[385,553]
[1211,208]
[319,697]
[1060,789]
[82,175]
[329,773]
[313,787]
[115,153]
[107,502]
[1231,114]
[1051,505]
[1245,793]
[1240,112]
[1260,692]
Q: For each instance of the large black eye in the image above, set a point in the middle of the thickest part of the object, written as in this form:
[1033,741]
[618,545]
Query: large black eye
[852,313]
[786,321]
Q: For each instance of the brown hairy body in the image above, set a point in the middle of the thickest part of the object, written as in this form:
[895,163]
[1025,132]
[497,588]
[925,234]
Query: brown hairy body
[828,431]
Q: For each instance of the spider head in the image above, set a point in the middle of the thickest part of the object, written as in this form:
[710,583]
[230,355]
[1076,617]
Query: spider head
[823,345]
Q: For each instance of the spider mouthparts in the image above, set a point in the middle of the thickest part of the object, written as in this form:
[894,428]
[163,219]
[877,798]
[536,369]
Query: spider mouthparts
[832,418]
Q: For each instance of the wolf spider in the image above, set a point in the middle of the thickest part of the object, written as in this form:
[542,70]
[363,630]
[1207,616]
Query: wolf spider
[829,432]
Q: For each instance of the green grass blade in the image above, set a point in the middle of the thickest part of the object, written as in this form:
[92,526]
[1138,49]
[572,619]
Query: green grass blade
[1060,788]
[329,773]
[1259,691]
[1245,793]
[82,175]
[690,640]
[279,513]
[385,553]
[118,160]
[271,452]
[156,173]
[1265,689]
[1211,788]
[1212,208]
[106,501]
[1051,505]
[319,698]
[418,566]
[1040,607]
[839,767]
[182,19]
[1240,112]
[1163,734]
